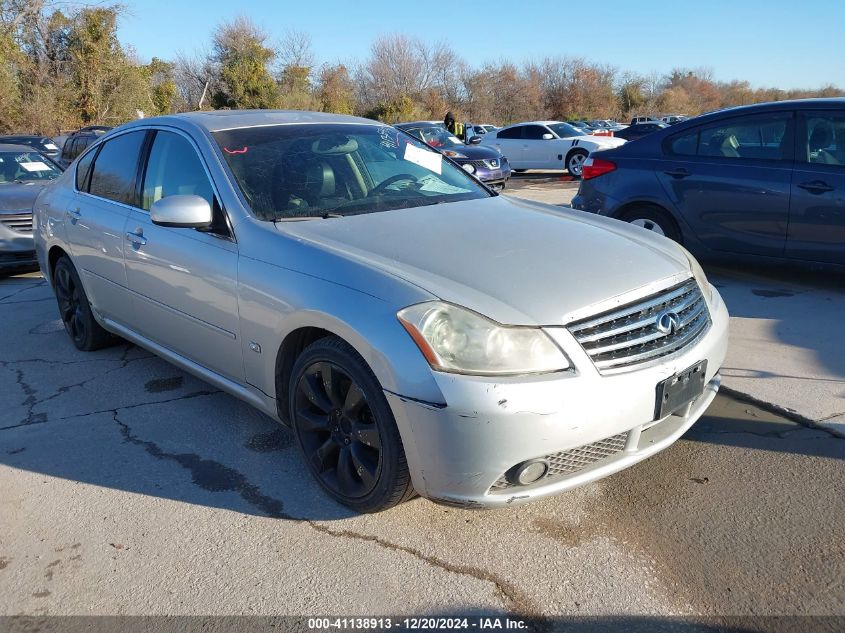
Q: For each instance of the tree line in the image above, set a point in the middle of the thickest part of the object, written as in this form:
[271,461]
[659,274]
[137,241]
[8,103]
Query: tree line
[63,66]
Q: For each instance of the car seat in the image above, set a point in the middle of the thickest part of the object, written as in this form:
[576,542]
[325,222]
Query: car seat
[820,140]
[300,184]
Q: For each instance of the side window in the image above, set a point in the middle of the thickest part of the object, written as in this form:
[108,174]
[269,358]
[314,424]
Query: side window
[754,137]
[83,169]
[174,168]
[824,139]
[116,168]
[511,132]
[534,132]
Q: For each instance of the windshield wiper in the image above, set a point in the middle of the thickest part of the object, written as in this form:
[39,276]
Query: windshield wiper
[322,216]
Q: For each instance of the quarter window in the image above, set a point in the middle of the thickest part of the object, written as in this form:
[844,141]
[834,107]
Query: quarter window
[174,169]
[685,145]
[116,167]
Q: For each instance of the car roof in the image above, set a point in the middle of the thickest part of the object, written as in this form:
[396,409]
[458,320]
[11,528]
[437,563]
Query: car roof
[419,124]
[217,120]
[32,136]
[13,147]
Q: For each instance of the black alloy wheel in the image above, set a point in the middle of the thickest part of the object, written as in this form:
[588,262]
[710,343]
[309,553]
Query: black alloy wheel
[345,428]
[75,310]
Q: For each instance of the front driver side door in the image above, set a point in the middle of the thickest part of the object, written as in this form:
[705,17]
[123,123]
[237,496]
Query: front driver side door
[184,281]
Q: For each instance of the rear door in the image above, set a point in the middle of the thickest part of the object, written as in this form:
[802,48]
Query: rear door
[95,217]
[509,142]
[817,210]
[730,181]
[184,281]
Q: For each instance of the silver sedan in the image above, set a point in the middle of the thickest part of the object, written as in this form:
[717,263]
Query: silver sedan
[418,333]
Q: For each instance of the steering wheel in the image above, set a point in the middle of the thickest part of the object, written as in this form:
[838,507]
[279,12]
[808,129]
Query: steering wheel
[389,181]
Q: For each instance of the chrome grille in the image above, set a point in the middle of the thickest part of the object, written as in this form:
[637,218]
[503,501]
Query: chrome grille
[570,462]
[487,163]
[630,336]
[20,222]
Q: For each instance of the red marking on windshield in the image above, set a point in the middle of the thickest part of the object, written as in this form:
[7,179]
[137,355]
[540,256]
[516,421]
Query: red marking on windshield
[235,151]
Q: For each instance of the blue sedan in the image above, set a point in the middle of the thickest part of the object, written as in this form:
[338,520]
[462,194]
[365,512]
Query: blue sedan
[766,180]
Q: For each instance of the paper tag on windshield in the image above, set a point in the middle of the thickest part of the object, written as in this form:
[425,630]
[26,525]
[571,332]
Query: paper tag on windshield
[454,139]
[51,146]
[36,165]
[423,158]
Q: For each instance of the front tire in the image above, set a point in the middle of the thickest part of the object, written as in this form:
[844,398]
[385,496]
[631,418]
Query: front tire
[575,162]
[75,310]
[345,428]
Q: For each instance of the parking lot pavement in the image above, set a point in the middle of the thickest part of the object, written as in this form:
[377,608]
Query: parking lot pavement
[128,486]
[551,187]
[786,344]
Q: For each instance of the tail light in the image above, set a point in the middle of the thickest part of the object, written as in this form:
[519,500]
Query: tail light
[595,167]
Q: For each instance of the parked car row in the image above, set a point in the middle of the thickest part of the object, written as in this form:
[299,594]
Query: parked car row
[765,180]
[486,163]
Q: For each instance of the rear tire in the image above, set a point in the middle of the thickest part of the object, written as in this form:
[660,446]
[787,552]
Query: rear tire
[345,428]
[75,310]
[655,219]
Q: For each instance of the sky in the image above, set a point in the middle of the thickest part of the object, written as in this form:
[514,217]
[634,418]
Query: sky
[770,43]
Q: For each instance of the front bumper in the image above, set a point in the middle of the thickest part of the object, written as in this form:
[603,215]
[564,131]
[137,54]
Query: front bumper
[17,250]
[459,452]
[495,178]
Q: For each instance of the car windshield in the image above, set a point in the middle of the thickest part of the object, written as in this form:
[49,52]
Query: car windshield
[26,167]
[290,172]
[564,130]
[435,136]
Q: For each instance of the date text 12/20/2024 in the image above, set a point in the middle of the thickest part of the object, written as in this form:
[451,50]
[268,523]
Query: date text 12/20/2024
[417,623]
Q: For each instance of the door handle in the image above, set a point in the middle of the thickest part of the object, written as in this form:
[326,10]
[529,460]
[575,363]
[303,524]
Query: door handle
[677,173]
[816,186]
[74,215]
[136,238]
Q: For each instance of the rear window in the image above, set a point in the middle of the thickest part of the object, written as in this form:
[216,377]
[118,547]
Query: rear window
[758,137]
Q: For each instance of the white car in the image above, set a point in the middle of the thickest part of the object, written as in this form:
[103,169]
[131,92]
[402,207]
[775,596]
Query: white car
[547,145]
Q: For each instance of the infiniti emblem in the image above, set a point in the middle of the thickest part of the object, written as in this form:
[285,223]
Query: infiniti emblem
[668,322]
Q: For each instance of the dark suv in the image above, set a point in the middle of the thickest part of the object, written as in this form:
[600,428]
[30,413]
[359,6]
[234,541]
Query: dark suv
[77,142]
[763,180]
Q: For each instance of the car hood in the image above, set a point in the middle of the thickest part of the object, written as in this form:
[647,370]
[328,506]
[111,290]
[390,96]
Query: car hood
[517,262]
[477,152]
[18,197]
[603,142]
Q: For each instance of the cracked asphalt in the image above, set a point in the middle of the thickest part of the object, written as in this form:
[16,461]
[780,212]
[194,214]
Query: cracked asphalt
[130,487]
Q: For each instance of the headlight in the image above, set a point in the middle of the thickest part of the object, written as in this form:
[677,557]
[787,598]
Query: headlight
[454,339]
[699,275]
[453,154]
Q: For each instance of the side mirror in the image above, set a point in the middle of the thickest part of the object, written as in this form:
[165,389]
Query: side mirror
[189,212]
[474,140]
[548,137]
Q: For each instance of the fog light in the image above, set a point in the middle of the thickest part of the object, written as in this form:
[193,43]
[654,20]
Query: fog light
[468,168]
[529,472]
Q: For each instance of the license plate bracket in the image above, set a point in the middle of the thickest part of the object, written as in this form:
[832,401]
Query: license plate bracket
[679,390]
